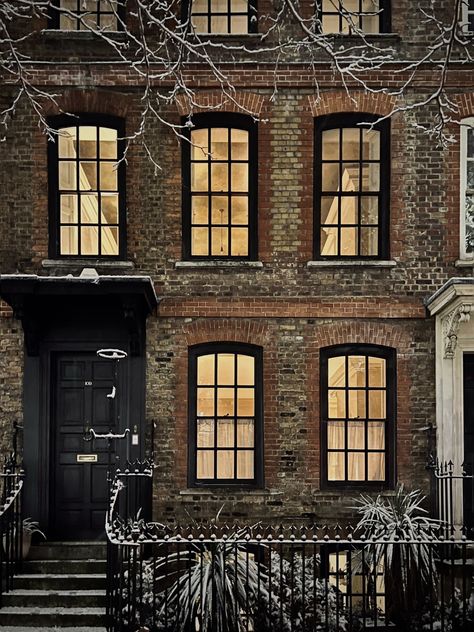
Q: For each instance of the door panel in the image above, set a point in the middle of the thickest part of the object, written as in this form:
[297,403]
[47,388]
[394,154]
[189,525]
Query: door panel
[81,385]
[468,491]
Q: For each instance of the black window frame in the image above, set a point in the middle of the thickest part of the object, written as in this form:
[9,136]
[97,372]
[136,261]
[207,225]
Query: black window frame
[252,21]
[78,120]
[385,19]
[54,18]
[352,120]
[229,121]
[235,348]
[390,356]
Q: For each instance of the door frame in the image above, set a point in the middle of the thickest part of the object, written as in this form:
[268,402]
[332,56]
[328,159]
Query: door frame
[38,415]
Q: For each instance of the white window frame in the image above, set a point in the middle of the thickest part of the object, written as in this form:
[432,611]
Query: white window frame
[465,12]
[467,123]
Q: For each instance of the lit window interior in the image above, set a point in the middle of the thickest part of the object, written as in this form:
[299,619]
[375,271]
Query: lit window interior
[220,16]
[82,15]
[347,16]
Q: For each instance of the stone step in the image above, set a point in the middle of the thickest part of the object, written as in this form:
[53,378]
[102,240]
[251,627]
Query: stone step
[68,551]
[60,617]
[64,566]
[51,581]
[21,628]
[55,598]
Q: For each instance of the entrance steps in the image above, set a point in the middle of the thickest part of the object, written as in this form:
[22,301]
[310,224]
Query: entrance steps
[61,587]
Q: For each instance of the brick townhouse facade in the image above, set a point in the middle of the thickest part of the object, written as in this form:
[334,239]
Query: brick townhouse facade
[294,302]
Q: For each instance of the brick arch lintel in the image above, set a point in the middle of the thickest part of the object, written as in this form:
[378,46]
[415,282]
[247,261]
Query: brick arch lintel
[383,334]
[205,331]
[94,101]
[465,103]
[339,101]
[241,102]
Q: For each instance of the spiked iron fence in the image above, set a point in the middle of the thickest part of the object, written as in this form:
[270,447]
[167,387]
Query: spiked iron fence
[212,578]
[11,485]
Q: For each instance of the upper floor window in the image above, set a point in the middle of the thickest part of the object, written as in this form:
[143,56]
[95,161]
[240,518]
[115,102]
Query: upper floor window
[225,409]
[223,16]
[358,414]
[468,15]
[351,186]
[87,188]
[220,188]
[349,16]
[82,15]
[467,186]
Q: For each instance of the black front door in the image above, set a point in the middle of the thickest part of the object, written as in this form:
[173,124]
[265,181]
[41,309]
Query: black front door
[468,492]
[82,388]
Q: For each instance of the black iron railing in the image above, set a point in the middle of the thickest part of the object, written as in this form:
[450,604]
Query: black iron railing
[212,578]
[10,529]
[452,497]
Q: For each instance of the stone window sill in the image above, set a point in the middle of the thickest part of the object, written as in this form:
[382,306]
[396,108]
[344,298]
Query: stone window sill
[464,263]
[352,263]
[69,264]
[238,491]
[217,265]
[63,34]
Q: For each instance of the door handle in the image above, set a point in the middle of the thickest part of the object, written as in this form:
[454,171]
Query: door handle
[87,433]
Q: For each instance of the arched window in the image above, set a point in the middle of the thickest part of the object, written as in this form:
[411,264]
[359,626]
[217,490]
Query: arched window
[225,414]
[357,415]
[87,187]
[349,16]
[467,188]
[220,188]
[351,186]
[83,15]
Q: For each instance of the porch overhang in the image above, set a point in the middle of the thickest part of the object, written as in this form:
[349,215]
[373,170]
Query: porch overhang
[33,298]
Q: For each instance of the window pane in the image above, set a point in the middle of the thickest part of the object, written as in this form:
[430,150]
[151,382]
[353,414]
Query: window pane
[356,404]
[348,210]
[219,24]
[330,177]
[371,177]
[199,177]
[369,209]
[219,177]
[350,143]
[356,366]
[199,144]
[225,464]
[67,176]
[240,211]
[376,466]
[377,409]
[199,211]
[205,369]
[220,210]
[349,241]
[109,208]
[220,242]
[369,239]
[239,242]
[225,402]
[200,23]
[110,245]
[219,143]
[88,176]
[337,371]
[245,433]
[245,370]
[356,435]
[330,141]
[240,144]
[356,466]
[350,177]
[108,176]
[205,433]
[90,209]
[329,241]
[376,371]
[330,24]
[336,469]
[376,435]
[329,210]
[108,143]
[239,6]
[68,209]
[336,404]
[199,241]
[370,144]
[205,464]
[225,433]
[205,402]
[240,177]
[245,402]
[67,142]
[69,237]
[470,174]
[87,142]
[336,435]
[225,368]
[89,240]
[245,464]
